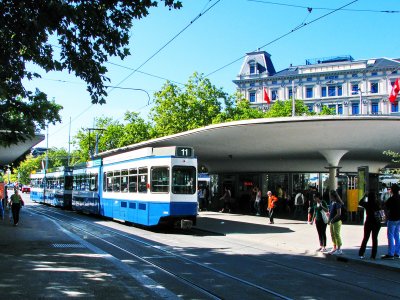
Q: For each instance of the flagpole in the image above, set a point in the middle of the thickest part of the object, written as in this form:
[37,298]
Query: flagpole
[293,103]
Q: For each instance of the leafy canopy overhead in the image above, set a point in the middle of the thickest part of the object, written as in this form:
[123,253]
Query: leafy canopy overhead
[87,32]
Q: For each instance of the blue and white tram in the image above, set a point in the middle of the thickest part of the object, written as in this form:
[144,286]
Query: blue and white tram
[150,186]
[53,187]
[37,187]
[85,194]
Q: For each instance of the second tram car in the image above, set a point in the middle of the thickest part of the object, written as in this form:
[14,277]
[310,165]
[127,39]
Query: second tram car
[53,187]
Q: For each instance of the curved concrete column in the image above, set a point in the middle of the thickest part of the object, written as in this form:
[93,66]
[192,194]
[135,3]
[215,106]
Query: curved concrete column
[333,158]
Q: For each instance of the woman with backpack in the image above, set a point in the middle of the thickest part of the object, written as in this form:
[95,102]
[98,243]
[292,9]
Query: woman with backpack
[335,221]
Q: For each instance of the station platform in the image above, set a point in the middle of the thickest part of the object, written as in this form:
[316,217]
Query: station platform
[39,261]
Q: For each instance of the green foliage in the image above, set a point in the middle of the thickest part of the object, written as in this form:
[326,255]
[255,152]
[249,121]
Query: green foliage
[284,109]
[327,111]
[394,155]
[87,32]
[178,110]
[238,108]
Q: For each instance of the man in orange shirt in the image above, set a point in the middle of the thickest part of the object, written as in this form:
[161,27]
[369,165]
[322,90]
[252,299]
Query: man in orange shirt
[271,205]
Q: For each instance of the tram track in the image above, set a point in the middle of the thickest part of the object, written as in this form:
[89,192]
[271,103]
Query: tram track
[157,260]
[148,261]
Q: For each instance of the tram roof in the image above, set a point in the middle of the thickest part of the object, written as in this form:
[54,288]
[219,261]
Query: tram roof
[288,144]
[10,154]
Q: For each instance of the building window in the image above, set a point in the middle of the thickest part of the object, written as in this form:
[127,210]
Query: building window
[374,108]
[340,109]
[274,82]
[252,84]
[309,92]
[339,90]
[252,69]
[332,77]
[355,109]
[323,91]
[290,93]
[274,94]
[354,75]
[374,73]
[310,107]
[309,79]
[395,107]
[374,87]
[354,89]
[331,91]
[252,97]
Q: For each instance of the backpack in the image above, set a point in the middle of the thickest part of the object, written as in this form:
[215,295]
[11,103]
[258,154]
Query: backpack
[343,213]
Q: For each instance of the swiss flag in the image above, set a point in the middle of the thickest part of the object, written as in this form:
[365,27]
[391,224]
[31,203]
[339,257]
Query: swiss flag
[395,91]
[266,97]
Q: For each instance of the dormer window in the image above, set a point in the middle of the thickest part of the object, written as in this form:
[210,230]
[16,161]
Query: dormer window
[252,67]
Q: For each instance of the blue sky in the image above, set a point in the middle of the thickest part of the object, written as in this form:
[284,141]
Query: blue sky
[220,36]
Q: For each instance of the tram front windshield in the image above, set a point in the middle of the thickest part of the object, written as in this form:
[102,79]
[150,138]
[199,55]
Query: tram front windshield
[183,180]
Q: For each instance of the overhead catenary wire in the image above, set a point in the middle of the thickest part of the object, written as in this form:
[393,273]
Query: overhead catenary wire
[325,8]
[167,43]
[202,13]
[282,36]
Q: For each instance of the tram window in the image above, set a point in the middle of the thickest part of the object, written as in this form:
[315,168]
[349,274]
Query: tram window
[109,181]
[133,180]
[183,180]
[124,181]
[104,181]
[159,180]
[93,182]
[117,181]
[143,174]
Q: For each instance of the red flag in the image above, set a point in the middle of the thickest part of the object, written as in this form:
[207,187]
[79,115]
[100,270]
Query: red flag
[395,91]
[266,97]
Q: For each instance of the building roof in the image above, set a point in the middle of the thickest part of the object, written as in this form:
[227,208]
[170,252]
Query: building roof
[288,144]
[10,154]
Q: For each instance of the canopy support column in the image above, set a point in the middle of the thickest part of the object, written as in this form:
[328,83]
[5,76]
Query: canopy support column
[333,158]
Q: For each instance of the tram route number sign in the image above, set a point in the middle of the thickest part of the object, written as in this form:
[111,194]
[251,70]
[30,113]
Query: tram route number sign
[184,152]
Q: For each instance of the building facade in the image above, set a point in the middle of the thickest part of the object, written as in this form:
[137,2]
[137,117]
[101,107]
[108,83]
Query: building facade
[351,87]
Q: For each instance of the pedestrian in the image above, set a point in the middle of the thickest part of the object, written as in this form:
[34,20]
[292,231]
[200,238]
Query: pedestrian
[392,206]
[272,201]
[298,204]
[335,222]
[257,201]
[227,200]
[16,204]
[320,207]
[371,204]
[200,194]
[2,209]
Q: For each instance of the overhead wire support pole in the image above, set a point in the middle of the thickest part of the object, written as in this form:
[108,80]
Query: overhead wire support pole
[90,144]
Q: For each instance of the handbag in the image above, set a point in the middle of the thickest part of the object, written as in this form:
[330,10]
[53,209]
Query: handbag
[325,217]
[380,216]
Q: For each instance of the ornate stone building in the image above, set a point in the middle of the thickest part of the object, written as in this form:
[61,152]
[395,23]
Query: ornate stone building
[351,87]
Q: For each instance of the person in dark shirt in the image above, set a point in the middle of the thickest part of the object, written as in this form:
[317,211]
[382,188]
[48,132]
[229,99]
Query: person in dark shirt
[392,206]
[371,225]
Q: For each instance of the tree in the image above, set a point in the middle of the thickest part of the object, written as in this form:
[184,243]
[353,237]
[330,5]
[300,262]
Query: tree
[87,33]
[177,110]
[238,108]
[284,109]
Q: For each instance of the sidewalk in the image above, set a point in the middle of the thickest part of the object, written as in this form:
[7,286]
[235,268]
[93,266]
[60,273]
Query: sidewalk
[295,236]
[38,260]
